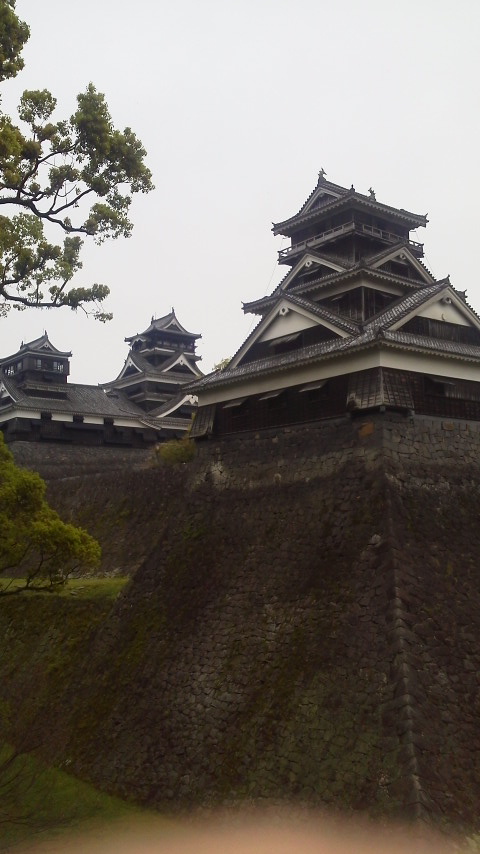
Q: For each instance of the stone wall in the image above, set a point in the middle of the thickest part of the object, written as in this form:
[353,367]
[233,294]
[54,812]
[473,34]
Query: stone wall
[304,626]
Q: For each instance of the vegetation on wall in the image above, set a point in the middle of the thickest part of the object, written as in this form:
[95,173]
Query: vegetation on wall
[76,173]
[34,541]
[176,451]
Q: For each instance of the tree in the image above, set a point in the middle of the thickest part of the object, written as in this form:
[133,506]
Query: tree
[34,541]
[77,174]
[222,364]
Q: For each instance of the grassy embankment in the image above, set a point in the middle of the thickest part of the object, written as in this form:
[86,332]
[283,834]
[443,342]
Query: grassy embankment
[86,588]
[39,801]
[36,800]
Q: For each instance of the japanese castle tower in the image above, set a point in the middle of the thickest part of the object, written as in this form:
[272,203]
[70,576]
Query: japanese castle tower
[161,360]
[357,323]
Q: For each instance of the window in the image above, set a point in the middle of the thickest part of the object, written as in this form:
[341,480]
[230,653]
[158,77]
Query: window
[10,370]
[234,404]
[275,399]
[439,386]
[38,364]
[286,343]
[58,366]
[315,391]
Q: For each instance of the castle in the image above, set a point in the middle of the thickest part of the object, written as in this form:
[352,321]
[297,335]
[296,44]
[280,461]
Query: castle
[303,616]
[144,404]
[358,323]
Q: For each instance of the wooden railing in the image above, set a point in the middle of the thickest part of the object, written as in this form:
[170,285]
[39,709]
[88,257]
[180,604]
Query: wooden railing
[390,236]
[345,228]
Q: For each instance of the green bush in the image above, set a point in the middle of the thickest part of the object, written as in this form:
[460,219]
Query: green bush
[176,451]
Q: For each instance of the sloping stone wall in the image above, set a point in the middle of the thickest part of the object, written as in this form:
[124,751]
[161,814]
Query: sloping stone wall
[304,626]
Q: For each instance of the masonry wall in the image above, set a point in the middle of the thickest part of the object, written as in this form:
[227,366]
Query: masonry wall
[304,626]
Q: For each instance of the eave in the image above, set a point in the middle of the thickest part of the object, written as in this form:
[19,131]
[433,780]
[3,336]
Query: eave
[336,349]
[265,303]
[351,199]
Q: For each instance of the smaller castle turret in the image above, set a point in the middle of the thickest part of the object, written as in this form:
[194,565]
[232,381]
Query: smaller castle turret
[161,360]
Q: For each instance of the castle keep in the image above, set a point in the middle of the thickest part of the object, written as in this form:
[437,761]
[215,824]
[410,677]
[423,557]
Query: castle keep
[358,323]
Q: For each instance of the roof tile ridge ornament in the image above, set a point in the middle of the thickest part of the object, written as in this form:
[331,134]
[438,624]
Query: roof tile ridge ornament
[321,177]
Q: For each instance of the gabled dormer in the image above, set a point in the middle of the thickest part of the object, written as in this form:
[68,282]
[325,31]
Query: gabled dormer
[292,324]
[183,364]
[5,394]
[324,193]
[444,316]
[402,262]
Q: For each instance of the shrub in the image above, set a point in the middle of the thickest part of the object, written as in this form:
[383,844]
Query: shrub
[176,451]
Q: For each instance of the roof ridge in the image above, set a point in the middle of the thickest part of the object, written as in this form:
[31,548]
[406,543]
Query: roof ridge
[408,301]
[323,311]
[420,219]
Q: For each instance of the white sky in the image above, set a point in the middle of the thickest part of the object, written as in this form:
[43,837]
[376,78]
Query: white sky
[239,103]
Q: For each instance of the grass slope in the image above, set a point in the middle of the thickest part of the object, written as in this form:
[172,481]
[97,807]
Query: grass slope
[39,802]
[36,800]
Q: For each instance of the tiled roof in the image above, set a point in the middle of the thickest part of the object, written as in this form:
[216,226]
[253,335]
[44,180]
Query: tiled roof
[36,346]
[173,402]
[326,185]
[273,364]
[346,263]
[423,342]
[350,197]
[158,372]
[317,284]
[328,349]
[163,324]
[167,365]
[393,248]
[320,311]
[323,312]
[403,306]
[361,336]
[71,398]
[138,361]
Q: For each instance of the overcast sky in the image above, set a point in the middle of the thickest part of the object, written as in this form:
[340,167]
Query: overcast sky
[239,103]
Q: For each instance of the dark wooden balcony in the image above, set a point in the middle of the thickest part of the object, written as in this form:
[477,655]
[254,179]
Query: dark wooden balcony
[387,237]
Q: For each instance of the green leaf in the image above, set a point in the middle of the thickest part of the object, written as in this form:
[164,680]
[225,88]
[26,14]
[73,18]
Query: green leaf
[33,538]
[78,174]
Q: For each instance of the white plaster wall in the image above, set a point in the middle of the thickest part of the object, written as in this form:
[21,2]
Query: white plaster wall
[441,311]
[287,324]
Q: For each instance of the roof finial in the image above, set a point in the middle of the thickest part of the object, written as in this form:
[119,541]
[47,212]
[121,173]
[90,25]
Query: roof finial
[372,193]
[321,175]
